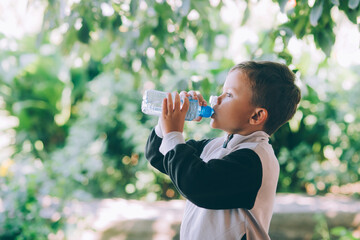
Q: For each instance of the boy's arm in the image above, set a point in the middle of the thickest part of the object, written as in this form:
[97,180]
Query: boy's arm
[152,153]
[230,182]
[155,147]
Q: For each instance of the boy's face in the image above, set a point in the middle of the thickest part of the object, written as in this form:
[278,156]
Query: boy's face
[234,110]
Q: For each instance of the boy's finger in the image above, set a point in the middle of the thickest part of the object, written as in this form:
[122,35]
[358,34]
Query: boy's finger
[202,101]
[177,102]
[185,106]
[164,107]
[198,119]
[170,107]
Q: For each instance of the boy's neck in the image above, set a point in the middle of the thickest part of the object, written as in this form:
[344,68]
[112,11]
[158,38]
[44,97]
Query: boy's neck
[248,131]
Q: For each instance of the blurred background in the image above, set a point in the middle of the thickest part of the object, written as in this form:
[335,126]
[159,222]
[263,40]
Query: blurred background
[72,75]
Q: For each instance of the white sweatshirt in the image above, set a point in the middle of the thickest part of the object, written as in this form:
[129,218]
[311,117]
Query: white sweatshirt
[230,183]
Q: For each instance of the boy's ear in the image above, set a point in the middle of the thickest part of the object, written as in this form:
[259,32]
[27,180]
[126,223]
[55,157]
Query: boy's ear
[259,116]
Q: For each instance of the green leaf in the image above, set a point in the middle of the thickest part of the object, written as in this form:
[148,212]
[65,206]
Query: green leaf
[286,56]
[164,10]
[335,2]
[300,26]
[338,231]
[200,7]
[99,49]
[246,16]
[117,22]
[145,33]
[352,15]
[116,6]
[83,33]
[325,40]
[134,4]
[282,4]
[353,4]
[316,12]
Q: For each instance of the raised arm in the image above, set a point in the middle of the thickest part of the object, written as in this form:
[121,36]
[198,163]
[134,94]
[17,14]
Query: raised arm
[230,182]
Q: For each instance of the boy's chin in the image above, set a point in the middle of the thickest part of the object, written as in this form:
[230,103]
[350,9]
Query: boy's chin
[213,124]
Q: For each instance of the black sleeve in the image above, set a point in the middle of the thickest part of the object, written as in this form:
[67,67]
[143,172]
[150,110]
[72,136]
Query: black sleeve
[156,158]
[230,182]
[152,153]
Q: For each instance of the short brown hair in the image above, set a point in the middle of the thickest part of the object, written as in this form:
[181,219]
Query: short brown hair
[273,87]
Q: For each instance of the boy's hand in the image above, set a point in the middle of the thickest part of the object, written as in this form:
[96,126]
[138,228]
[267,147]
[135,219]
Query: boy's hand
[173,115]
[196,96]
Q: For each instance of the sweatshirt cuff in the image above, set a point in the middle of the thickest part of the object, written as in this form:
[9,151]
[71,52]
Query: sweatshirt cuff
[170,140]
[158,131]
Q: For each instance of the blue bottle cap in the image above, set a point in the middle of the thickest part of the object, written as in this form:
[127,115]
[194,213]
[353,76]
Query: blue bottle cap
[206,111]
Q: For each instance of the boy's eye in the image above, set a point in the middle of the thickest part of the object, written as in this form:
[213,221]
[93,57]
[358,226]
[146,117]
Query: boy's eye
[228,94]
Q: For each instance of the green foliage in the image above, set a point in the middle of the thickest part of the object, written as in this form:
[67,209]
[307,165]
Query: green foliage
[317,20]
[313,152]
[342,233]
[23,206]
[80,130]
[75,91]
[322,231]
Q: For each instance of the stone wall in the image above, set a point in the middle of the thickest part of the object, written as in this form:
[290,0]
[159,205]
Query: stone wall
[295,217]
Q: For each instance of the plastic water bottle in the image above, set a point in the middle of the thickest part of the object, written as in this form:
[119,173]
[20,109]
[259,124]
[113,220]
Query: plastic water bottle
[152,105]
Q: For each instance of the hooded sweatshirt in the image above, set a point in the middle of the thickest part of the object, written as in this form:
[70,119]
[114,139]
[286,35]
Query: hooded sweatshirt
[229,182]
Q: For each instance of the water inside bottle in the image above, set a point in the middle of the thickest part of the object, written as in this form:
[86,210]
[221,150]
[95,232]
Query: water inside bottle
[152,102]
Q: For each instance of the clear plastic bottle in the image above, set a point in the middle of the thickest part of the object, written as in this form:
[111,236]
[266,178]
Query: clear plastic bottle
[152,105]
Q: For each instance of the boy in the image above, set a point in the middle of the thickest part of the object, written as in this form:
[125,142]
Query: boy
[229,182]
